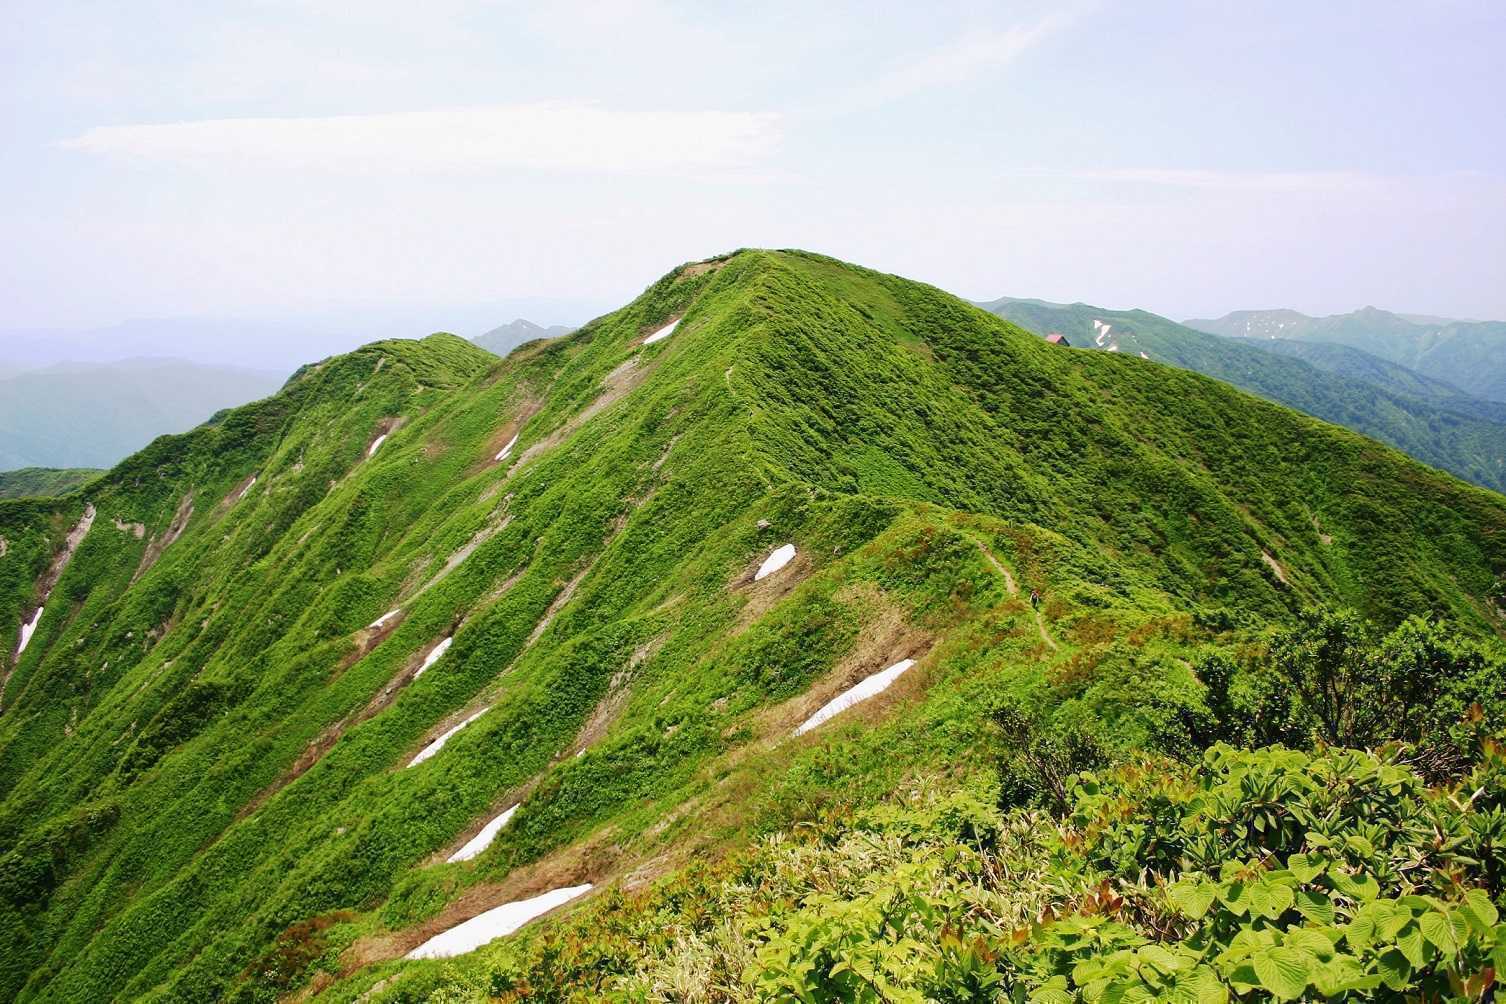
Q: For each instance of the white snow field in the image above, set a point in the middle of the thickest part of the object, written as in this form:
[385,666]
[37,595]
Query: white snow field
[861,691]
[493,924]
[502,454]
[482,840]
[433,656]
[445,737]
[385,617]
[378,442]
[783,555]
[26,632]
[662,333]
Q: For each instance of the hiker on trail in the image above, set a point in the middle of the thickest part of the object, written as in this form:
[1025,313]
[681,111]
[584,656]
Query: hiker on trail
[1035,599]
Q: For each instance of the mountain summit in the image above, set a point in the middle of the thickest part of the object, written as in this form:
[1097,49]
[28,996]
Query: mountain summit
[376,670]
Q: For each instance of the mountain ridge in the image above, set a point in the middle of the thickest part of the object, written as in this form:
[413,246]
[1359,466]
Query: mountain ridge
[210,772]
[1427,418]
[1468,354]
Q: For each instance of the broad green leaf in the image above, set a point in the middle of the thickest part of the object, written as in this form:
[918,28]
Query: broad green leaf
[1410,943]
[1315,906]
[1053,991]
[1270,899]
[1304,868]
[1283,972]
[1394,969]
[1314,943]
[1479,910]
[1438,930]
[1192,896]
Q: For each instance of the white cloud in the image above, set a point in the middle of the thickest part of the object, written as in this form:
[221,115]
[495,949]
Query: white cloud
[1228,181]
[961,59]
[545,136]
[967,57]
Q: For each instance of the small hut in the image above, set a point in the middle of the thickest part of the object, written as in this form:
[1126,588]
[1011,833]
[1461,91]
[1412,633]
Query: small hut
[1057,338]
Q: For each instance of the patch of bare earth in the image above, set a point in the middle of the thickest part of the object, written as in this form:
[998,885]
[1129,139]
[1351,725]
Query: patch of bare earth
[157,545]
[385,427]
[60,560]
[700,268]
[610,707]
[762,595]
[615,386]
[593,861]
[886,638]
[235,494]
[138,530]
[1274,566]
[46,583]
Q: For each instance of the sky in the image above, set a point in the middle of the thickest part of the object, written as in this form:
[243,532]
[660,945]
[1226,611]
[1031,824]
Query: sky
[446,165]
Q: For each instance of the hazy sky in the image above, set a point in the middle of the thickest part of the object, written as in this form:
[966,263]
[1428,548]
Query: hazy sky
[281,158]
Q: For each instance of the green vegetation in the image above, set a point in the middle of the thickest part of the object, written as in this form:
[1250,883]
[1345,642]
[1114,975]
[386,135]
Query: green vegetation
[1465,354]
[205,790]
[44,481]
[1433,421]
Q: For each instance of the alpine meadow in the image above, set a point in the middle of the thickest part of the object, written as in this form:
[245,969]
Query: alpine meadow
[1163,691]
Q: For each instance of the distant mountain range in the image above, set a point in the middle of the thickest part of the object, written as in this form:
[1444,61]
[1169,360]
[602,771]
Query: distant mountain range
[95,414]
[44,482]
[1471,355]
[1431,419]
[503,339]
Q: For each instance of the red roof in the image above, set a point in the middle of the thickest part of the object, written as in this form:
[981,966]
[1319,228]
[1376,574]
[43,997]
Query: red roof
[1056,338]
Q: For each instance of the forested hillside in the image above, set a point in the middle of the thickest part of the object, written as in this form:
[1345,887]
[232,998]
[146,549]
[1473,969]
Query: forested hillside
[314,701]
[1431,420]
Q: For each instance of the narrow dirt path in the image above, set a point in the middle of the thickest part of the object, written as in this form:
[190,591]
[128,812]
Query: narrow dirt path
[1014,590]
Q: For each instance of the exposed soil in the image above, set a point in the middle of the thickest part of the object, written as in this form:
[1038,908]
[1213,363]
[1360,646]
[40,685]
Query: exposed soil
[157,545]
[1275,567]
[136,529]
[592,862]
[615,386]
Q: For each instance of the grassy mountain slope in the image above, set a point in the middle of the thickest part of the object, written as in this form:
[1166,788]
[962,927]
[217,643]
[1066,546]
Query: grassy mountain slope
[1427,418]
[92,415]
[1467,354]
[44,481]
[204,746]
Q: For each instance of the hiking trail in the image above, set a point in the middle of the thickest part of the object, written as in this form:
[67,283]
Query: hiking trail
[1014,590]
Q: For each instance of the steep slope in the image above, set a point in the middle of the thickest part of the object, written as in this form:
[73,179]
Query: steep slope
[1431,420]
[44,481]
[1471,355]
[92,415]
[248,748]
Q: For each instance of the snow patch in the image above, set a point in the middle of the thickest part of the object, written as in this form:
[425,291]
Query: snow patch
[433,656]
[502,454]
[1113,348]
[385,617]
[1100,331]
[1144,356]
[875,684]
[495,923]
[662,333]
[375,443]
[482,840]
[782,556]
[26,632]
[445,737]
